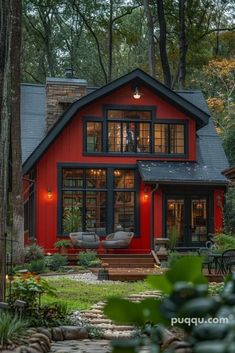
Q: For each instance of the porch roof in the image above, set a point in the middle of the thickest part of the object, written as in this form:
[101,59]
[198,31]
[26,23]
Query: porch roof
[180,173]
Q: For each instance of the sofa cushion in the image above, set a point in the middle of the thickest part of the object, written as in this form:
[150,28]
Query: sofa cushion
[89,237]
[121,235]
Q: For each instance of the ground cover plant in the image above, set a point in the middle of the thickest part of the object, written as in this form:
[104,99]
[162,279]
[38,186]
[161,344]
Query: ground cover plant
[12,328]
[79,295]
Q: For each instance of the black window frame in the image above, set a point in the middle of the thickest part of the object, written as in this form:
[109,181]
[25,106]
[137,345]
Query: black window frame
[154,120]
[110,194]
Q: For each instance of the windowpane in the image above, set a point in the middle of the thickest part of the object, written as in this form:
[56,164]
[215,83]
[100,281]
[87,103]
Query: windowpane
[96,211]
[161,138]
[129,114]
[128,137]
[176,138]
[93,136]
[95,178]
[73,178]
[143,137]
[114,137]
[124,202]
[72,211]
[124,179]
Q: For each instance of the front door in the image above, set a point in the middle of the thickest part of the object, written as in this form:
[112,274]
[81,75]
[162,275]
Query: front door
[187,220]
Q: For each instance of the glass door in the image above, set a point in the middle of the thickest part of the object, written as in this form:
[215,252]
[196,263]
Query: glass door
[187,220]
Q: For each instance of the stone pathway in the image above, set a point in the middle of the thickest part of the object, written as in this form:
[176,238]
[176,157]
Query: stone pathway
[95,319]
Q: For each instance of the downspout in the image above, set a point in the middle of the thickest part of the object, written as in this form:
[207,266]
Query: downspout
[152,215]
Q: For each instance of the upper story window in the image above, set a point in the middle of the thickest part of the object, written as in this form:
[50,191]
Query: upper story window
[169,138]
[128,131]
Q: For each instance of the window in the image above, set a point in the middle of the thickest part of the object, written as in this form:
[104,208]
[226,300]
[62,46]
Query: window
[93,136]
[124,198]
[130,132]
[84,198]
[97,199]
[169,138]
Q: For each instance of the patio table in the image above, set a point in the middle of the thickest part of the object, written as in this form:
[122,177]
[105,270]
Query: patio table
[217,260]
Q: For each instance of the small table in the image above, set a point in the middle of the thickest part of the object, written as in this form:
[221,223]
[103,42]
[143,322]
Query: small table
[161,245]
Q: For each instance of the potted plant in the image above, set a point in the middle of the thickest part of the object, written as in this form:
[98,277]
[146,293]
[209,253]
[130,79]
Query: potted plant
[72,219]
[63,246]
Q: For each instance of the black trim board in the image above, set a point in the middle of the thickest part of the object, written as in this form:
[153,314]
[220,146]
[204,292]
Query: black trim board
[137,76]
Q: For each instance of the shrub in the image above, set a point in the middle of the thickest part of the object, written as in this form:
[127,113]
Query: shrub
[173,257]
[224,242]
[88,259]
[51,315]
[28,288]
[229,210]
[56,261]
[63,243]
[11,328]
[33,252]
[37,266]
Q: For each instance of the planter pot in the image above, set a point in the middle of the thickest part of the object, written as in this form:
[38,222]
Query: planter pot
[63,250]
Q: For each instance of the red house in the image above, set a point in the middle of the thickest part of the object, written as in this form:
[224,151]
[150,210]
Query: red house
[132,153]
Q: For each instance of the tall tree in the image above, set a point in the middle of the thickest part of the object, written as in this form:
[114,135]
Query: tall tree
[151,42]
[5,54]
[182,45]
[16,160]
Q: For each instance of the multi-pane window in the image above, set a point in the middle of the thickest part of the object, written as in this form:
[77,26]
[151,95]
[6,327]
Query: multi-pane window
[93,136]
[85,202]
[124,198]
[135,131]
[169,138]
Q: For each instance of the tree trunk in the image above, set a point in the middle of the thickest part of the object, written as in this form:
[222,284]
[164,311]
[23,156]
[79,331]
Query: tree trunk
[17,195]
[151,44]
[162,43]
[5,50]
[110,42]
[182,45]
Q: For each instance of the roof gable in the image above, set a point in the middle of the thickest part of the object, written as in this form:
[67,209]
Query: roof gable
[138,77]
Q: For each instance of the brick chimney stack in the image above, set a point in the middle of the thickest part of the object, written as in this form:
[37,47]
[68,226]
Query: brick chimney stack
[60,93]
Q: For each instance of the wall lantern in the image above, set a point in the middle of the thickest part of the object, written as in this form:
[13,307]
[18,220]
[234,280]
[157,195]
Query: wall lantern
[136,93]
[146,194]
[49,194]
[219,201]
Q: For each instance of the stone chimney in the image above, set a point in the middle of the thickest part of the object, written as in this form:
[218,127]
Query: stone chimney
[60,93]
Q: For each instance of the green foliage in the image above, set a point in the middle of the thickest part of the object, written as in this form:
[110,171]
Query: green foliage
[72,219]
[37,266]
[11,328]
[224,242]
[173,237]
[56,261]
[63,243]
[33,252]
[88,259]
[229,209]
[54,314]
[173,257]
[95,332]
[28,288]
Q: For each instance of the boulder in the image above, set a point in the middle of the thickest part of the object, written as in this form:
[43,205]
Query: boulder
[57,334]
[74,333]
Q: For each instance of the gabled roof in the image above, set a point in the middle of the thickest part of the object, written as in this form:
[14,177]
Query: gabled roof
[138,77]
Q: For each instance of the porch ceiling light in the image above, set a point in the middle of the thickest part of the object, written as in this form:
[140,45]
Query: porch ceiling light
[136,93]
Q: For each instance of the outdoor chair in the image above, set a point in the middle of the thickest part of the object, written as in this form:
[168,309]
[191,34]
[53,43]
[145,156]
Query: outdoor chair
[118,240]
[85,240]
[228,261]
[207,258]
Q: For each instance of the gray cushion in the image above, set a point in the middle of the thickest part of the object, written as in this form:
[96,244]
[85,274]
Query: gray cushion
[89,237]
[121,235]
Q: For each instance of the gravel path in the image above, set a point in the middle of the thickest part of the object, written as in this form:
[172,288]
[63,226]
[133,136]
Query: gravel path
[86,277]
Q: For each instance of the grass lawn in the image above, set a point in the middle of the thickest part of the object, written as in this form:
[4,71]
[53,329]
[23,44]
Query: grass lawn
[79,295]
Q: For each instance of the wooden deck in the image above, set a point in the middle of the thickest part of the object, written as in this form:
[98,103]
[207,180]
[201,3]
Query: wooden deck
[127,260]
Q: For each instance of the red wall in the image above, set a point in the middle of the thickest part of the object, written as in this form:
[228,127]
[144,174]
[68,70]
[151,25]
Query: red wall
[218,210]
[68,148]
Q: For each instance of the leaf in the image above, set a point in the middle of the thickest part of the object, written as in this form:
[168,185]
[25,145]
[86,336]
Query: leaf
[123,312]
[160,282]
[187,269]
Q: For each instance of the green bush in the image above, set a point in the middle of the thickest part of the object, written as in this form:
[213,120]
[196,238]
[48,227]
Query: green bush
[51,315]
[88,259]
[173,257]
[11,328]
[33,252]
[56,261]
[28,288]
[37,266]
[224,242]
[229,210]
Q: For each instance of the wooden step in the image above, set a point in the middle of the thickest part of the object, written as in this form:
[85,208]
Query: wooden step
[124,260]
